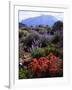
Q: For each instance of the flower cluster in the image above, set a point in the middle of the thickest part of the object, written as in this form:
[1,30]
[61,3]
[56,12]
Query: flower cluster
[50,64]
[55,64]
[39,65]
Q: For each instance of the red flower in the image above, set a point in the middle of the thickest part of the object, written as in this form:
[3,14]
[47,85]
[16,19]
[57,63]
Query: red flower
[50,64]
[34,60]
[37,66]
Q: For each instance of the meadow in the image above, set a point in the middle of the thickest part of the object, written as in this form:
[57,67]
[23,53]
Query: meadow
[40,51]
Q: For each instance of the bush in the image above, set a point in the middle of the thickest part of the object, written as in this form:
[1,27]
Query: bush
[56,65]
[29,39]
[56,39]
[37,66]
[20,34]
[44,42]
[38,52]
[22,73]
[57,26]
[50,66]
[44,51]
[59,53]
[25,32]
[49,49]
[42,30]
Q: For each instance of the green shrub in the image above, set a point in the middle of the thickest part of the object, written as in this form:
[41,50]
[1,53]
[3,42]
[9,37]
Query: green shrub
[47,50]
[57,26]
[58,53]
[38,52]
[23,33]
[44,42]
[56,39]
[22,73]
[55,51]
[29,39]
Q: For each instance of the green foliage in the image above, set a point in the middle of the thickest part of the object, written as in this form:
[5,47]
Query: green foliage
[48,49]
[38,52]
[22,73]
[44,51]
[40,41]
[23,33]
[57,51]
[42,30]
[30,74]
[58,26]
[44,42]
[29,39]
[56,39]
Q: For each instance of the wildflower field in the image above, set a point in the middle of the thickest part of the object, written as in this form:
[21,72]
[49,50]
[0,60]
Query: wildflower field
[40,51]
[40,44]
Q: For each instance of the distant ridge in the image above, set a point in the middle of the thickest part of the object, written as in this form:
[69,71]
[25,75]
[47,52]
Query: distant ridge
[40,20]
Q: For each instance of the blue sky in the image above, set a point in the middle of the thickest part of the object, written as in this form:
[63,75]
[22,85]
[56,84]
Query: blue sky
[28,14]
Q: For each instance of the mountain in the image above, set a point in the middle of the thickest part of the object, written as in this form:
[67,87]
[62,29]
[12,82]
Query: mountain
[40,20]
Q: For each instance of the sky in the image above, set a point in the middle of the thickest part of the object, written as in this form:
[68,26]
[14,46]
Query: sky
[29,14]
